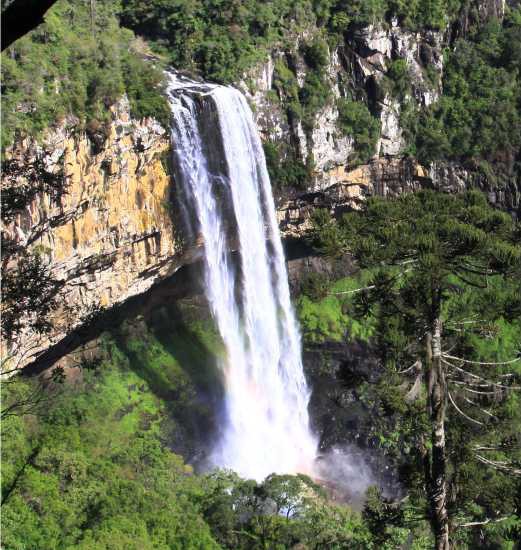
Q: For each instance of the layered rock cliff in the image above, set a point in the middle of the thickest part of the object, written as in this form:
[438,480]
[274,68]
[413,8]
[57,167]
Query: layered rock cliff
[109,234]
[390,177]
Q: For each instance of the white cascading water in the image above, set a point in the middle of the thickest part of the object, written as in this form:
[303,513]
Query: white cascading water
[229,205]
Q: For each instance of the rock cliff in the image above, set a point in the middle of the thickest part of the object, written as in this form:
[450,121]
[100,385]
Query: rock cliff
[357,69]
[109,234]
[389,177]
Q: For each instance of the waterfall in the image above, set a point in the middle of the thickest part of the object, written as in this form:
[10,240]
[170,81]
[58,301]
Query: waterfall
[228,206]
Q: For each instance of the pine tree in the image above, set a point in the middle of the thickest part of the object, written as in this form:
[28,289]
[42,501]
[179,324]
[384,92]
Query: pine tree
[427,248]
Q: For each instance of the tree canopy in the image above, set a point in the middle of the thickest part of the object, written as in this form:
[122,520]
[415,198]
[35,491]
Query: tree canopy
[427,251]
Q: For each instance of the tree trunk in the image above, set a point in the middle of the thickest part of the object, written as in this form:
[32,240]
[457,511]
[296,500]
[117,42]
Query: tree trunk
[92,16]
[437,402]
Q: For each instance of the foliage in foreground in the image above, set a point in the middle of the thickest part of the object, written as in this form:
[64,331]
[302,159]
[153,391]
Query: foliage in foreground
[91,465]
[445,301]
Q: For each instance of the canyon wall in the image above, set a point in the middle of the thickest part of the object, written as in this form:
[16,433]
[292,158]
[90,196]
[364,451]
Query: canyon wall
[109,234]
[114,232]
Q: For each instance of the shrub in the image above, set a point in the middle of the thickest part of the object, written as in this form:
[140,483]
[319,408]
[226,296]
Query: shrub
[315,286]
[76,63]
[316,54]
[284,172]
[143,83]
[313,96]
[399,78]
[286,82]
[355,120]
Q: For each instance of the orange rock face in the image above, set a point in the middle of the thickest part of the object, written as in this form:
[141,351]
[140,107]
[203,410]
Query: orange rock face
[111,235]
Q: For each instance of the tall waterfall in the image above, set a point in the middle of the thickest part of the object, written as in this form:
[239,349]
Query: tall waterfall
[228,204]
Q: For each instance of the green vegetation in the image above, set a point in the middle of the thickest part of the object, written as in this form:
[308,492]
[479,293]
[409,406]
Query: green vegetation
[316,54]
[316,90]
[355,119]
[313,96]
[284,172]
[27,287]
[326,309]
[445,302]
[303,103]
[222,38]
[479,114]
[82,59]
[285,81]
[421,14]
[91,471]
[398,79]
[90,465]
[91,456]
[77,63]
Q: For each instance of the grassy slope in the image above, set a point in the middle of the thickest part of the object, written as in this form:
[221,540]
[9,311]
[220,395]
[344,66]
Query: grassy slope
[330,316]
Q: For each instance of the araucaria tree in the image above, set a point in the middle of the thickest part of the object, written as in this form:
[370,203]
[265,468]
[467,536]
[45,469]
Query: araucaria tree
[428,250]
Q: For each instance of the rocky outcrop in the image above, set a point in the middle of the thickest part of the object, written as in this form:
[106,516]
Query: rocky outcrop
[110,234]
[383,177]
[355,69]
[390,177]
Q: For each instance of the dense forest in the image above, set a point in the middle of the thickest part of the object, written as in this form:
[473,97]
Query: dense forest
[411,323]
[85,56]
[88,463]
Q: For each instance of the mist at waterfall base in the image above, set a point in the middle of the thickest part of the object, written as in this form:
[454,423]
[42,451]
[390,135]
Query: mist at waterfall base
[227,203]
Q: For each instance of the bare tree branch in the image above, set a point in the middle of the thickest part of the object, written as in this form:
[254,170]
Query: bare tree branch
[477,392]
[488,413]
[472,375]
[467,383]
[416,365]
[485,522]
[352,291]
[500,448]
[481,362]
[26,354]
[462,413]
[499,465]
